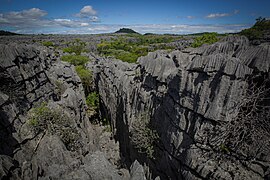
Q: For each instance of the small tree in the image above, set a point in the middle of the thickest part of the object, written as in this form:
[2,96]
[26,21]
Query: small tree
[143,136]
[248,133]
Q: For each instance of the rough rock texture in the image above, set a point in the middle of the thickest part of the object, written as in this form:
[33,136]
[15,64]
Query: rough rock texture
[30,76]
[137,171]
[189,95]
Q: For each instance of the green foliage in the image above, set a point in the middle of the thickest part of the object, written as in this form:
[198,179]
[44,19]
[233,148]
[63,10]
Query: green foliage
[86,77]
[43,118]
[207,38]
[256,31]
[48,43]
[76,46]
[92,100]
[76,60]
[132,46]
[84,74]
[251,33]
[59,87]
[126,56]
[143,136]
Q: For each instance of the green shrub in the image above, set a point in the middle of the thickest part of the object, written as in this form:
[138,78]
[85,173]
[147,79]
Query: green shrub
[143,136]
[60,88]
[92,100]
[127,57]
[86,77]
[130,47]
[251,33]
[256,31]
[54,121]
[76,46]
[75,59]
[207,38]
[84,74]
[48,43]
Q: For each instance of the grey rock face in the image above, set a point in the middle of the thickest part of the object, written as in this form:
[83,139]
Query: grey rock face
[137,171]
[99,167]
[189,95]
[30,76]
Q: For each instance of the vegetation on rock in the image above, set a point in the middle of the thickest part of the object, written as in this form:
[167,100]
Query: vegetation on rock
[47,43]
[76,60]
[79,62]
[143,136]
[251,122]
[206,38]
[43,118]
[257,31]
[86,77]
[59,87]
[92,100]
[76,46]
[129,48]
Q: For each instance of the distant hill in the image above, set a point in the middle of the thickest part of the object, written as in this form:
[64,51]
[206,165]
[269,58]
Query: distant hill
[7,33]
[126,30]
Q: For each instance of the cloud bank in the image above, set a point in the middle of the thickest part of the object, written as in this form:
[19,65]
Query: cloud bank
[34,21]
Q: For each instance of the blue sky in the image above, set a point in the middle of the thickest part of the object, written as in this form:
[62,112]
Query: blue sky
[155,16]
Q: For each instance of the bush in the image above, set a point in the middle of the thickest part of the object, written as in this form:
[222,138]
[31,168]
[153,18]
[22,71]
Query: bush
[127,57]
[247,134]
[207,38]
[76,46]
[86,77]
[43,119]
[48,43]
[130,47]
[256,31]
[252,33]
[92,100]
[143,136]
[60,88]
[76,60]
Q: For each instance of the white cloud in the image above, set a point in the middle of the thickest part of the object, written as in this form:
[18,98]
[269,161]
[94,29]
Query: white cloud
[70,23]
[86,11]
[26,18]
[35,18]
[219,15]
[84,24]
